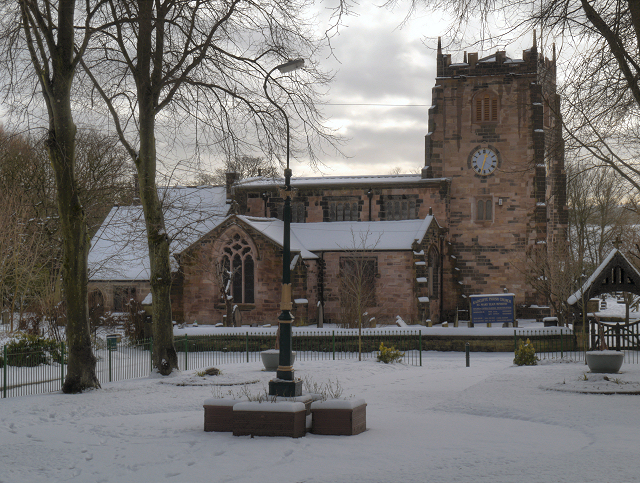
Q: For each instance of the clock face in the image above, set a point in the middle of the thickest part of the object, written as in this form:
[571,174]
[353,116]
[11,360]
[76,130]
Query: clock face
[484,161]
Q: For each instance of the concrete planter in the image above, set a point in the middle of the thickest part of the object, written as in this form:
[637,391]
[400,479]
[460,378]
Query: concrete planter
[608,362]
[271,357]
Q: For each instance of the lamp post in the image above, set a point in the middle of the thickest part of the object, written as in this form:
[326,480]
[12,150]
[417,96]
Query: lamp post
[285,383]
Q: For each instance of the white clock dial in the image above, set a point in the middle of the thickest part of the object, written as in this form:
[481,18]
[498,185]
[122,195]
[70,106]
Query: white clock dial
[484,161]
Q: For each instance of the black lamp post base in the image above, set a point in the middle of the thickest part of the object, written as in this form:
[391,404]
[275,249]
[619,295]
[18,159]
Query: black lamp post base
[282,388]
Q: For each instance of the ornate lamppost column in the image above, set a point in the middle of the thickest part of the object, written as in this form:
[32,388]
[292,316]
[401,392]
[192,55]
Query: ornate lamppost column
[285,384]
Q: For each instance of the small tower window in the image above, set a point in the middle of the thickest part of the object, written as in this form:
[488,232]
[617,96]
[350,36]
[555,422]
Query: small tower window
[486,108]
[484,210]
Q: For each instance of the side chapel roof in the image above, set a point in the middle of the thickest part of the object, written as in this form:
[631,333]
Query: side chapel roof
[307,238]
[119,249]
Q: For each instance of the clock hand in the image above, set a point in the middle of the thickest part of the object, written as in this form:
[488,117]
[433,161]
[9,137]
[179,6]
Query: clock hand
[484,161]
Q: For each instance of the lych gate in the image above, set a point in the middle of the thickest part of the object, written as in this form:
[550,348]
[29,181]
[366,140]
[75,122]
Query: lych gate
[614,275]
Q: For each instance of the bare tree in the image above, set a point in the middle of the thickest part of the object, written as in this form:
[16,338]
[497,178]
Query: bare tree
[554,274]
[598,211]
[31,272]
[244,166]
[164,63]
[46,31]
[358,268]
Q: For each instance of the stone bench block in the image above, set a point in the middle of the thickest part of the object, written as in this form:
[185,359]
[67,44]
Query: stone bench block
[269,419]
[339,417]
[218,414]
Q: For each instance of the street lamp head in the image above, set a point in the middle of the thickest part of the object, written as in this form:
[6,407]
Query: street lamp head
[290,66]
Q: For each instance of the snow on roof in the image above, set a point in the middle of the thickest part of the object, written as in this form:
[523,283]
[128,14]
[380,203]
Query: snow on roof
[119,249]
[333,180]
[308,238]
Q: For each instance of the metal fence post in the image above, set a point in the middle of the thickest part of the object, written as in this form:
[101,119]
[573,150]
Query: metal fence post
[466,353]
[151,354]
[246,344]
[334,345]
[420,345]
[4,371]
[561,343]
[109,351]
[62,351]
[186,352]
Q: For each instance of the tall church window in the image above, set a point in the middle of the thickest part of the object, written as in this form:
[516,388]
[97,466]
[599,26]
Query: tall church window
[400,209]
[343,211]
[238,259]
[486,109]
[432,272]
[121,298]
[297,212]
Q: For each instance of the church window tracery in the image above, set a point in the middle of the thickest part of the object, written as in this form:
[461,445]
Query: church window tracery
[238,259]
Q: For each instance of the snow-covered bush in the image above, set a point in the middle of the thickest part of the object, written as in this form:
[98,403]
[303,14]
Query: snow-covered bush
[29,350]
[525,354]
[389,354]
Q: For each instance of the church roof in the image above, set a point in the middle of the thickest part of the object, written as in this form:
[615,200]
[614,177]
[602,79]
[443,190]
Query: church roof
[311,238]
[336,180]
[119,249]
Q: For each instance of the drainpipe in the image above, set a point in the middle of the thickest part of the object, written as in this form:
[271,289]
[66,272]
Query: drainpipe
[441,288]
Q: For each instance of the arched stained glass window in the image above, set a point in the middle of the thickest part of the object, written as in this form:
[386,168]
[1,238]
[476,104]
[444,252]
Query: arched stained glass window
[238,263]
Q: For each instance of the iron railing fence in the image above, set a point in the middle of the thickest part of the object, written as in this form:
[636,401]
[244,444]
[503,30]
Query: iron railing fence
[561,343]
[30,372]
[308,345]
[33,372]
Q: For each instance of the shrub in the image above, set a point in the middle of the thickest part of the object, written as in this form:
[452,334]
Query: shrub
[525,354]
[134,324]
[29,350]
[389,354]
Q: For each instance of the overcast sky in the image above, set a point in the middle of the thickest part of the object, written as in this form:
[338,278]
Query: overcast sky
[378,62]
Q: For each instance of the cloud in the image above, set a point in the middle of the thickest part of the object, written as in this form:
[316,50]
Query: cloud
[379,64]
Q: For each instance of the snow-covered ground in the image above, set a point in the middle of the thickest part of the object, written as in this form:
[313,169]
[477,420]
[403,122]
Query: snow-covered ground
[442,422]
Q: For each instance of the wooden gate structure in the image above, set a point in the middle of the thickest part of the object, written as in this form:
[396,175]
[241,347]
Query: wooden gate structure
[614,275]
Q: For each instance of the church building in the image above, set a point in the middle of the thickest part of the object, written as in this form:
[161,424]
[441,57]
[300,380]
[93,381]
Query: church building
[492,187]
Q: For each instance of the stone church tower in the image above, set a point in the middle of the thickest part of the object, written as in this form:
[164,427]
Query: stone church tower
[495,132]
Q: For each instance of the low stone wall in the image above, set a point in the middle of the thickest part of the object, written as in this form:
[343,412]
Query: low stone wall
[476,344]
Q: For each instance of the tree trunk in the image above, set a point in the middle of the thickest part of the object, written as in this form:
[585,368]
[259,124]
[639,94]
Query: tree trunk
[165,358]
[75,239]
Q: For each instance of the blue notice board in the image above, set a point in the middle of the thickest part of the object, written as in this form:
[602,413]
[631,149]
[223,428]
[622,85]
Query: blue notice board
[492,309]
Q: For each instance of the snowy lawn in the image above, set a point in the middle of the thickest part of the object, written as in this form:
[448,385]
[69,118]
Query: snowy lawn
[442,422]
